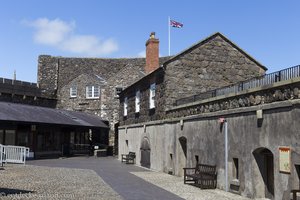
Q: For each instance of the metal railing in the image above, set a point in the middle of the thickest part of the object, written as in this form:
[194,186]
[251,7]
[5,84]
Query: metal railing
[282,75]
[13,154]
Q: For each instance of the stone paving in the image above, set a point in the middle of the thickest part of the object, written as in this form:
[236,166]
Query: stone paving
[97,178]
[175,185]
[34,182]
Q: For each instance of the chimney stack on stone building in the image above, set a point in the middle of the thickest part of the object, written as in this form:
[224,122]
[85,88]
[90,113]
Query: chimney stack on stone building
[152,53]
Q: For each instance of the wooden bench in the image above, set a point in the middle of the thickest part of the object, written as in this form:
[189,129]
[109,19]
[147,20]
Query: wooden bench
[128,158]
[203,176]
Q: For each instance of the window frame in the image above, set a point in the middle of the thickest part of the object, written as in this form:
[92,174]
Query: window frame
[137,101]
[72,89]
[152,91]
[125,111]
[93,89]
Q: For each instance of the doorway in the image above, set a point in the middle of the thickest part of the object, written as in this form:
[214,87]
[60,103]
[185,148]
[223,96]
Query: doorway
[145,153]
[265,162]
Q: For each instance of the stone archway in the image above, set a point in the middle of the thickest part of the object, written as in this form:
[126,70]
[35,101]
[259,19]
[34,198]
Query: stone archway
[265,162]
[145,153]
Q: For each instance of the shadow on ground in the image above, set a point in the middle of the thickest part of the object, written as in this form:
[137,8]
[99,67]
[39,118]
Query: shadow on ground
[10,191]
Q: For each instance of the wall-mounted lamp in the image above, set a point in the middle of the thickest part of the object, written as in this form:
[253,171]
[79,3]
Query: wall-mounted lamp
[259,114]
[181,124]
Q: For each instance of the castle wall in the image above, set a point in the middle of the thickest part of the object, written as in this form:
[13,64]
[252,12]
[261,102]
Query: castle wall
[205,139]
[16,91]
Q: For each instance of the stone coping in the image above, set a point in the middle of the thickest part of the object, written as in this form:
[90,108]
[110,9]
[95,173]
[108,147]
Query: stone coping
[223,113]
[222,97]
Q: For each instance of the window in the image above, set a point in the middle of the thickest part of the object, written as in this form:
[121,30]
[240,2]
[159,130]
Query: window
[236,168]
[73,91]
[10,137]
[137,101]
[92,92]
[152,95]
[125,106]
[118,90]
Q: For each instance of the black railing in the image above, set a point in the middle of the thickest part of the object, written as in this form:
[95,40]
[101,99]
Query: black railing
[267,79]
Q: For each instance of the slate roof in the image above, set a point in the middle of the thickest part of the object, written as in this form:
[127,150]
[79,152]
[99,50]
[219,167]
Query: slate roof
[35,114]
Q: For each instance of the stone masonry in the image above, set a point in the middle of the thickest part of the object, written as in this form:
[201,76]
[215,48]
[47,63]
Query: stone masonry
[57,74]
[211,63]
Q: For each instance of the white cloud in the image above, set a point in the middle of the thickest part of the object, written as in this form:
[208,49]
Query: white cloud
[60,34]
[142,54]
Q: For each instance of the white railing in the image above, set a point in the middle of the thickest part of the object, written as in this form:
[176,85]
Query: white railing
[13,154]
[1,154]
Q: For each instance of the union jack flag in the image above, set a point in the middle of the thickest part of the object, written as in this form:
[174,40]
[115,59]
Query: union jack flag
[175,24]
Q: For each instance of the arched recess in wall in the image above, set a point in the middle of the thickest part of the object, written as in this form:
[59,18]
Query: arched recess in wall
[265,162]
[183,144]
[145,153]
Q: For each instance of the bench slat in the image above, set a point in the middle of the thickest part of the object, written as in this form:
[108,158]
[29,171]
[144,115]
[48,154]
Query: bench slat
[204,176]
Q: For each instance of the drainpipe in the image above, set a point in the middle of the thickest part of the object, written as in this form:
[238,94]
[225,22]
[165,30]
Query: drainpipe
[223,121]
[226,156]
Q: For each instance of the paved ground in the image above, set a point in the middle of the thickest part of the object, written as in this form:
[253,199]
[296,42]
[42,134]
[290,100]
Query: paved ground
[78,176]
[35,182]
[116,175]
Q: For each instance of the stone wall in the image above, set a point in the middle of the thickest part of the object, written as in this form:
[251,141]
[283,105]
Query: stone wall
[145,114]
[59,73]
[280,91]
[16,91]
[210,64]
[205,140]
[48,74]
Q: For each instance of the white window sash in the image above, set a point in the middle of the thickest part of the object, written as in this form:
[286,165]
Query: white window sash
[152,96]
[92,92]
[137,101]
[125,106]
[73,92]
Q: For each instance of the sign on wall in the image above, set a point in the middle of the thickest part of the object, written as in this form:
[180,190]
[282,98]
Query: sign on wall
[285,159]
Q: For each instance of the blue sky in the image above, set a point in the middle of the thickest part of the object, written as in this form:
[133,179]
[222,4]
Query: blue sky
[268,30]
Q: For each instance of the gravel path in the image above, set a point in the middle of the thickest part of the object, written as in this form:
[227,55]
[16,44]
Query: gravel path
[175,185]
[35,182]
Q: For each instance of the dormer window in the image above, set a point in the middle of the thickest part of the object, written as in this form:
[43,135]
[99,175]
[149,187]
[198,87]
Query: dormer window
[73,92]
[92,92]
[152,95]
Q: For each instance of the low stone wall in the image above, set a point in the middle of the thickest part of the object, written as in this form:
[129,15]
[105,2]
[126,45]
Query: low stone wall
[280,91]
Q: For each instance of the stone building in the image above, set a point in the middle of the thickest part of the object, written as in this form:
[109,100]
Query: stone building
[211,63]
[91,85]
[28,118]
[175,117]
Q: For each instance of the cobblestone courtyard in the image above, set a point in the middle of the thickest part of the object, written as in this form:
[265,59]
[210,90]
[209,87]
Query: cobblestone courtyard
[96,178]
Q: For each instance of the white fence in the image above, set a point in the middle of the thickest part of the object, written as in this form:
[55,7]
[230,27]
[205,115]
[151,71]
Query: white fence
[13,154]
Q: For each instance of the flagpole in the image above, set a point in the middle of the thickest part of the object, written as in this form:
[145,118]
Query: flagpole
[169,36]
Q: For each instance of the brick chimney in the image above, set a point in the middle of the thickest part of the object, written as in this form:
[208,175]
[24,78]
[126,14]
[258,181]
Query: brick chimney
[152,58]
